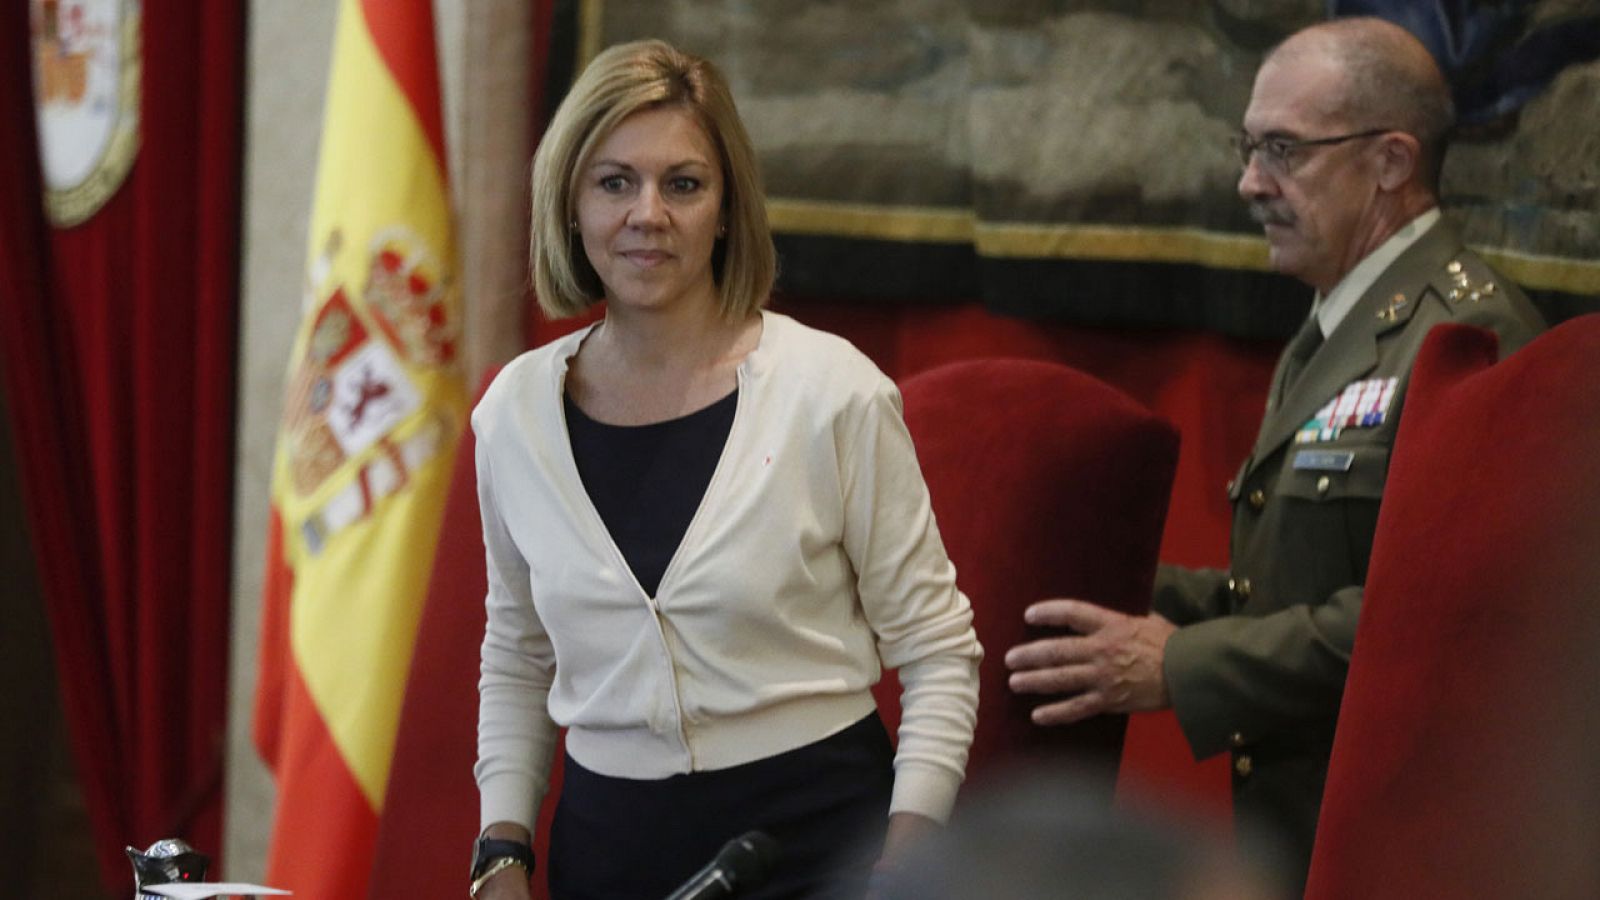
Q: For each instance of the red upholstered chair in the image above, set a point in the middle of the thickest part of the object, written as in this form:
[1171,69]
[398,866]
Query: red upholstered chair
[1045,483]
[1467,758]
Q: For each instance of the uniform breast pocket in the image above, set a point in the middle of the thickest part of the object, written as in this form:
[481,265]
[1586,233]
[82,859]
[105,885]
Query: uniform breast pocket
[1345,485]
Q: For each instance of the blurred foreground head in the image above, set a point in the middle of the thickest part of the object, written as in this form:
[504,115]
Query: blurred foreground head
[1055,836]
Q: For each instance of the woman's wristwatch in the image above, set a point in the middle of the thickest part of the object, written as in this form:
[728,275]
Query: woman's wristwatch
[490,856]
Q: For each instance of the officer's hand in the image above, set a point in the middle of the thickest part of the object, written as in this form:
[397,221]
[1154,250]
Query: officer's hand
[1112,664]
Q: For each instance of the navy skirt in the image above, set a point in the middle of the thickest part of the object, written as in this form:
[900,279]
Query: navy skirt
[825,804]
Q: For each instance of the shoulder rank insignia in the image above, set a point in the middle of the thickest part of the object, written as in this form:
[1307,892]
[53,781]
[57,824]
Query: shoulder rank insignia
[1463,288]
[1391,312]
[1362,404]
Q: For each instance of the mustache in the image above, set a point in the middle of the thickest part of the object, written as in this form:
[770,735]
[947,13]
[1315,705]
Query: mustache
[1266,214]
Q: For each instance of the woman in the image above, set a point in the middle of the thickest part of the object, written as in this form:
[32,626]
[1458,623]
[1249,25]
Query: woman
[705,528]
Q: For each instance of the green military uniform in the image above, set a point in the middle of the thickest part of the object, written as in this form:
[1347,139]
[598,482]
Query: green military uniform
[1258,666]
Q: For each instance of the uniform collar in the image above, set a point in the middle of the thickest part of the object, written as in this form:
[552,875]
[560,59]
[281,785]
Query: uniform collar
[1351,352]
[1332,309]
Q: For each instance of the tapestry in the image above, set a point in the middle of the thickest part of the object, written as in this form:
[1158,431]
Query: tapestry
[1072,159]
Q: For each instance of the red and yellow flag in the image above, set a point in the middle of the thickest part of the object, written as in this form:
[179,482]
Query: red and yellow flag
[373,410]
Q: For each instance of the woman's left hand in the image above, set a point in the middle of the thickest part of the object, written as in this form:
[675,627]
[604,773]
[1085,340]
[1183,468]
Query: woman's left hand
[906,830]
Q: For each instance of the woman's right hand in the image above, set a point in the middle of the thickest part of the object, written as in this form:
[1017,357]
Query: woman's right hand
[511,882]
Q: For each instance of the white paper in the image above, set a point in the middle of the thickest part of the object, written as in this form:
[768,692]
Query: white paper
[200,890]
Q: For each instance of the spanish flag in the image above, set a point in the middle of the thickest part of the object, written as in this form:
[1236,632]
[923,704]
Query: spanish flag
[374,407]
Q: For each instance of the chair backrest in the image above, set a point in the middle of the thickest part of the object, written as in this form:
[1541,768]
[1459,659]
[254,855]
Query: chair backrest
[1045,482]
[1467,757]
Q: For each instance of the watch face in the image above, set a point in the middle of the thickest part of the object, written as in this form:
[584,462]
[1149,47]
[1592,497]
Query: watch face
[480,856]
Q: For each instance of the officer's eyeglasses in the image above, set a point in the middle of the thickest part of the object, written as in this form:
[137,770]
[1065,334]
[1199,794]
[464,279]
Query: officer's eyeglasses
[1275,151]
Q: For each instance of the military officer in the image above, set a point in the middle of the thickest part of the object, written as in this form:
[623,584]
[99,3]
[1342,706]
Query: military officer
[1341,149]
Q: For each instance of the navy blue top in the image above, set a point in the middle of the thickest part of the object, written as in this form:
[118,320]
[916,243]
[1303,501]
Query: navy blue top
[647,481]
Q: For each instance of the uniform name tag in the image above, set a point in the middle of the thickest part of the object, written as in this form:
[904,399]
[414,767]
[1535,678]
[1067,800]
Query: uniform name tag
[1324,460]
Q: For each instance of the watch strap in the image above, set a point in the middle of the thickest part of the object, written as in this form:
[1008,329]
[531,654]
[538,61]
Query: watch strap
[487,850]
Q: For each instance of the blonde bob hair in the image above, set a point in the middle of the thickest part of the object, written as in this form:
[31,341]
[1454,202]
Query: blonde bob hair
[619,82]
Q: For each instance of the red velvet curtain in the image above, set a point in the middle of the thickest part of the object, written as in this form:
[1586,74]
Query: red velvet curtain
[118,346]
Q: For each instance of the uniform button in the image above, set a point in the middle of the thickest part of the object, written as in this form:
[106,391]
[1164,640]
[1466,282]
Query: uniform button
[1236,739]
[1323,484]
[1258,499]
[1240,587]
[1242,766]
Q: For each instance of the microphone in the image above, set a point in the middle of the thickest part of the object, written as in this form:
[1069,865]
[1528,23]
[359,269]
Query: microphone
[741,864]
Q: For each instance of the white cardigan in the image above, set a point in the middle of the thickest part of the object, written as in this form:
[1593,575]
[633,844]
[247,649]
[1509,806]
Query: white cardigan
[812,556]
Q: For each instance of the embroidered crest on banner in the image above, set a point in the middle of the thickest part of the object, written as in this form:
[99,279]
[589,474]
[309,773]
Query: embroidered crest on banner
[353,391]
[406,295]
[86,95]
